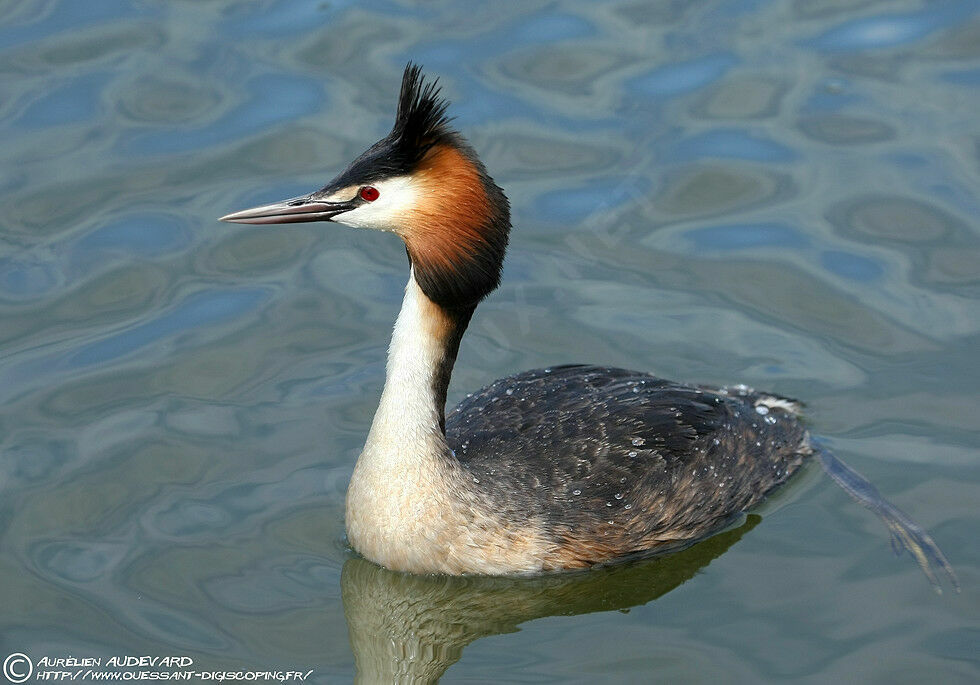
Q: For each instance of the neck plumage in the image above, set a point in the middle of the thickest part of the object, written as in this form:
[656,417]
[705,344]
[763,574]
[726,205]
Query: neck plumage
[401,492]
[423,350]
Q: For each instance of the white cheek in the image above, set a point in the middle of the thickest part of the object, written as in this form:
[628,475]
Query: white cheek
[397,196]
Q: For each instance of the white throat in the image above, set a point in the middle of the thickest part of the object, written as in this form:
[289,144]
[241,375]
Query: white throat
[411,505]
[396,499]
[407,414]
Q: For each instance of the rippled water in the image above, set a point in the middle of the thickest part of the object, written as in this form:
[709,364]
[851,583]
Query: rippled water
[782,194]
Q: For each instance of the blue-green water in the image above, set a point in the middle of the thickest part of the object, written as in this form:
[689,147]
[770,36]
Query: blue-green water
[784,194]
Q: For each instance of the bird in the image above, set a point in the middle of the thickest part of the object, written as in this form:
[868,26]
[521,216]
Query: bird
[550,470]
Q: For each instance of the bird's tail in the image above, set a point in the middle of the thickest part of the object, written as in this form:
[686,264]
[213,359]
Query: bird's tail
[906,533]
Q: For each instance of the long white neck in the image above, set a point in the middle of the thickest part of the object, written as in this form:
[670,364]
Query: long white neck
[409,413]
[411,505]
[398,493]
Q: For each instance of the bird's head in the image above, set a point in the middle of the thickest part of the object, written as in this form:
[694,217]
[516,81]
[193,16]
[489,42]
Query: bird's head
[424,183]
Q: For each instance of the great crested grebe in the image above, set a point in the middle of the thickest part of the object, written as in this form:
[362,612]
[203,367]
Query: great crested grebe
[551,469]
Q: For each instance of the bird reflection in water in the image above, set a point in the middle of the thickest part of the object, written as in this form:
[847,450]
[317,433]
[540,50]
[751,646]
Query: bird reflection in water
[407,628]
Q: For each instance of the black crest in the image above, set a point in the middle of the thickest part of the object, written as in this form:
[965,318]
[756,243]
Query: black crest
[421,121]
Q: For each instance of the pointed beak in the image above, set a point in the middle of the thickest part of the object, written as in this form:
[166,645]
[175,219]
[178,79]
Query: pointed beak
[294,211]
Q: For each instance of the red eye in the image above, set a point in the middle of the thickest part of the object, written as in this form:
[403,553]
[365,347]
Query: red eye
[369,193]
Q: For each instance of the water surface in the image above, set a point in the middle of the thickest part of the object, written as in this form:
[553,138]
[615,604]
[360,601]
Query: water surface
[781,194]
